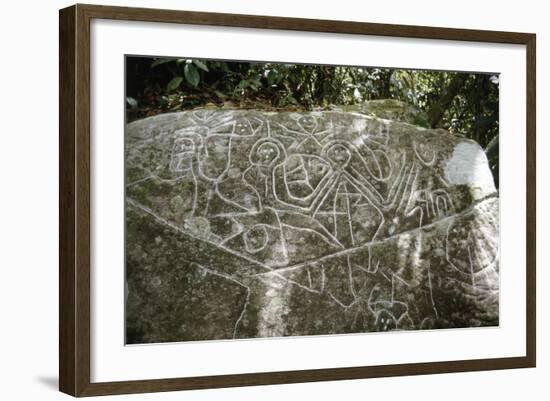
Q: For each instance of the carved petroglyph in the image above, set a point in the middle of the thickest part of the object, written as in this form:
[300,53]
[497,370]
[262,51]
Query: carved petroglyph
[325,222]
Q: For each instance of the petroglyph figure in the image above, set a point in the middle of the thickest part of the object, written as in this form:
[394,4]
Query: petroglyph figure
[278,224]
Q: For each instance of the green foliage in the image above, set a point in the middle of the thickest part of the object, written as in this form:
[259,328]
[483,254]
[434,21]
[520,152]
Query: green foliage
[191,74]
[182,70]
[174,83]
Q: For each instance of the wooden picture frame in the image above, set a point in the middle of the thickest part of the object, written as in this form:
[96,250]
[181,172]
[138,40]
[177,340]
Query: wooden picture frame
[74,203]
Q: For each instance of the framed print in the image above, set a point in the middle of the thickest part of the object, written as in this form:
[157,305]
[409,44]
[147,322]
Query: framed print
[250,200]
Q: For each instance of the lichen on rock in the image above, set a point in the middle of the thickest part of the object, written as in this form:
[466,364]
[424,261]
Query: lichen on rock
[248,224]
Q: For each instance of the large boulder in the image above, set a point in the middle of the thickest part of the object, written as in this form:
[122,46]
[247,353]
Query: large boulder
[389,109]
[253,224]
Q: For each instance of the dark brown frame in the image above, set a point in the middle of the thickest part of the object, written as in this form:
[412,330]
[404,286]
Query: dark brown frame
[74,199]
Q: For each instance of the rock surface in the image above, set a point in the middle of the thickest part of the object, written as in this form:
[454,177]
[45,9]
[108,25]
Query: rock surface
[390,109]
[252,224]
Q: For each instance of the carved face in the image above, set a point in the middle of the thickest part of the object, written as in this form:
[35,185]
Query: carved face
[339,155]
[182,154]
[267,153]
[308,123]
[184,145]
[242,128]
[385,321]
[255,239]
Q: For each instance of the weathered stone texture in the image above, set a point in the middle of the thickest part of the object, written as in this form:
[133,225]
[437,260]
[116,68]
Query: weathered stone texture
[254,224]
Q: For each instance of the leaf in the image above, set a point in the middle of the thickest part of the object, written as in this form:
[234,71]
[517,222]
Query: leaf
[271,77]
[201,65]
[191,74]
[132,102]
[160,61]
[174,83]
[243,84]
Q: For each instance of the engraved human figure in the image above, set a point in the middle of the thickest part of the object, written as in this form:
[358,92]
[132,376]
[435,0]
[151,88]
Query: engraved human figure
[264,155]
